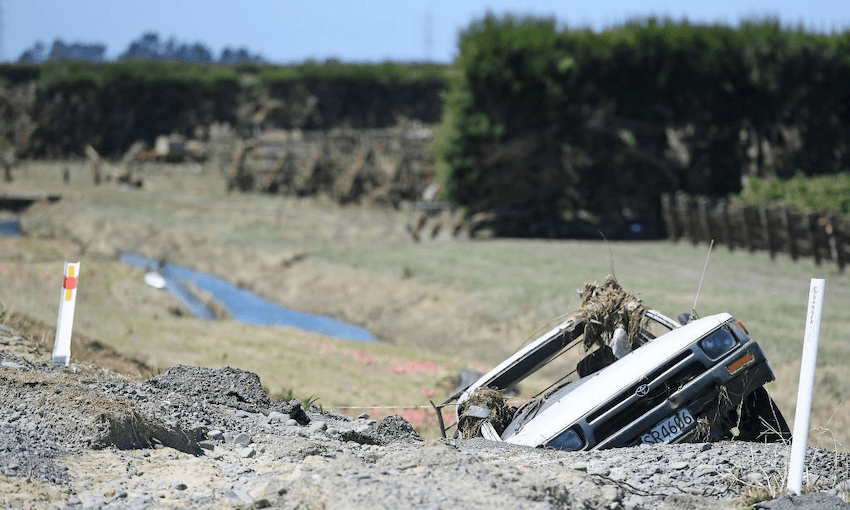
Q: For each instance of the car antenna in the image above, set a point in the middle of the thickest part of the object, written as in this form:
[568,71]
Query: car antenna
[699,287]
[610,253]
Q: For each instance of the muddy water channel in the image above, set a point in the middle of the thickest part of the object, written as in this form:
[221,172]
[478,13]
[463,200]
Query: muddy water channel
[10,227]
[242,305]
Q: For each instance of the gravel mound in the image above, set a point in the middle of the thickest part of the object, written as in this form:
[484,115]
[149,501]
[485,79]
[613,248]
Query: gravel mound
[195,437]
[227,386]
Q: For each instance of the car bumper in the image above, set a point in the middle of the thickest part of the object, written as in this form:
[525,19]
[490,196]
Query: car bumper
[710,396]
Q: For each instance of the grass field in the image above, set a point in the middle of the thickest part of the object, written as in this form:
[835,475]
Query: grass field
[437,307]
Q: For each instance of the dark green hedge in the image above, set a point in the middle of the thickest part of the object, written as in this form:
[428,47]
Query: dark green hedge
[527,79]
[112,105]
[50,74]
[336,71]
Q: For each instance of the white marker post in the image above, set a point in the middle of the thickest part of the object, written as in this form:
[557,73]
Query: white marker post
[67,303]
[800,437]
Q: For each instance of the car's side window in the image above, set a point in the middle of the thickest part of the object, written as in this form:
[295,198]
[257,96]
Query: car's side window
[652,329]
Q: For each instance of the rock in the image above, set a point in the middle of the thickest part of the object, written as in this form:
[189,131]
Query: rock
[242,439]
[755,478]
[703,469]
[239,495]
[262,503]
[318,426]
[598,470]
[275,417]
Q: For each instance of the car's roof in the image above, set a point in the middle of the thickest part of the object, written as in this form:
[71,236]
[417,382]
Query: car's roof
[573,403]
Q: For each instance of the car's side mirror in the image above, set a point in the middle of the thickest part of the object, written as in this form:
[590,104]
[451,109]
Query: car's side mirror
[684,318]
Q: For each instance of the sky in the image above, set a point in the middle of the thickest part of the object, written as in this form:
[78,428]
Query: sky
[291,31]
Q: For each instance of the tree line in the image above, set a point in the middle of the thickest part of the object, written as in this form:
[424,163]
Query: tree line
[549,129]
[148,46]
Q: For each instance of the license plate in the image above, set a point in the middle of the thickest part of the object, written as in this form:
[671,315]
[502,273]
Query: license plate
[670,428]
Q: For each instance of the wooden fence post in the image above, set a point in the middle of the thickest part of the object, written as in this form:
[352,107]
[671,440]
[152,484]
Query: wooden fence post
[669,213]
[789,231]
[834,241]
[704,221]
[812,224]
[764,216]
[683,203]
[743,211]
[726,224]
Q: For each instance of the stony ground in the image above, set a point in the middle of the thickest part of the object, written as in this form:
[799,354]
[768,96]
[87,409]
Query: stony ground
[85,436]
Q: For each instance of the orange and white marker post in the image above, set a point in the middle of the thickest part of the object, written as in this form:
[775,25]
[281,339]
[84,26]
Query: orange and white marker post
[67,303]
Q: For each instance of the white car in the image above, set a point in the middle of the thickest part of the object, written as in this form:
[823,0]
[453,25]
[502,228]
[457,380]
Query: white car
[694,382]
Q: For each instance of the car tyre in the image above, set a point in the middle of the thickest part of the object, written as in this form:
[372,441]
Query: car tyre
[761,419]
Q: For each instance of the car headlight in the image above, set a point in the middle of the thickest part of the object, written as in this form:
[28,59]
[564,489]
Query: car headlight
[567,440]
[718,343]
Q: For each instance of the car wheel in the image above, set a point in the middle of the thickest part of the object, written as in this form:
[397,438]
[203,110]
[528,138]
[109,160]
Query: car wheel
[761,419]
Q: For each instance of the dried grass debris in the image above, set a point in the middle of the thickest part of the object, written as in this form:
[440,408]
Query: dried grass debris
[500,412]
[606,307]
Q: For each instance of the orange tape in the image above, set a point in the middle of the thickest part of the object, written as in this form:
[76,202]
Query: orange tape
[69,284]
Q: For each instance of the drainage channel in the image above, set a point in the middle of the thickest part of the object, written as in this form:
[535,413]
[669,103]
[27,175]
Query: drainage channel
[10,227]
[11,206]
[242,305]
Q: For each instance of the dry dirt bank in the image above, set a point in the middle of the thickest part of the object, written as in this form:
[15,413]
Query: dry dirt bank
[193,437]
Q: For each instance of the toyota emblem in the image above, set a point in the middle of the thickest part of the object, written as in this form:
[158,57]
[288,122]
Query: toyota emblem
[642,390]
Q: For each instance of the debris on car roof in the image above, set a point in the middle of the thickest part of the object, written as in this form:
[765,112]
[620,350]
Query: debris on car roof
[606,309]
